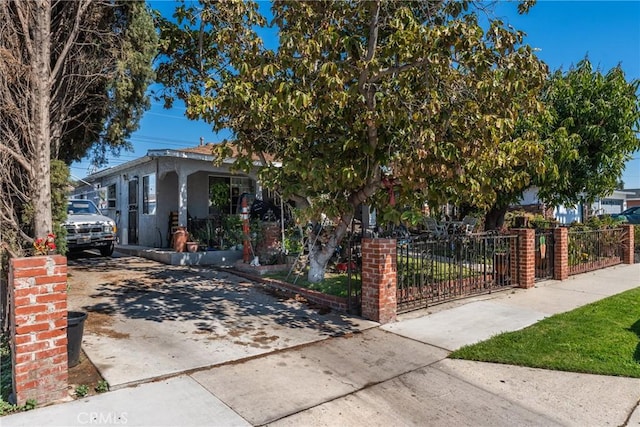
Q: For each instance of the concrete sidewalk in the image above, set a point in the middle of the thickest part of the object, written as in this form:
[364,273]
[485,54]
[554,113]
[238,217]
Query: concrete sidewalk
[396,374]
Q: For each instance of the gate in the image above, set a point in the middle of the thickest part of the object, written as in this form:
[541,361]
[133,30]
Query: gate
[432,271]
[544,246]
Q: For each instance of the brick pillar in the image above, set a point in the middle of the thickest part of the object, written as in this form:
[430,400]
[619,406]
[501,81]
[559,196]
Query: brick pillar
[627,244]
[526,257]
[379,276]
[560,253]
[38,293]
[269,243]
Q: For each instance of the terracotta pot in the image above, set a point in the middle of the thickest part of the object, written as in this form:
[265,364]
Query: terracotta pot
[180,237]
[192,246]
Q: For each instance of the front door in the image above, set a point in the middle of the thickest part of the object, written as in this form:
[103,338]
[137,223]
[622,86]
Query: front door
[133,212]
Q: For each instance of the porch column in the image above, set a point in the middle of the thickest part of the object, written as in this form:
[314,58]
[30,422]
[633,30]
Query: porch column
[182,198]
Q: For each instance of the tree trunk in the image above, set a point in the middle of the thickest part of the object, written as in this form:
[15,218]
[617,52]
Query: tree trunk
[317,267]
[319,255]
[494,219]
[41,101]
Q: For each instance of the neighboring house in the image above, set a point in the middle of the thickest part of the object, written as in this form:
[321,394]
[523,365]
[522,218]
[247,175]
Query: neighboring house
[141,195]
[616,202]
[633,199]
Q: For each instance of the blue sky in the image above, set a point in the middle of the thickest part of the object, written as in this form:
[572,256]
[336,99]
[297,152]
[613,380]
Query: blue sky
[608,32]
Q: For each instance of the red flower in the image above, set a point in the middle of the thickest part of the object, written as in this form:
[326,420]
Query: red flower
[43,246]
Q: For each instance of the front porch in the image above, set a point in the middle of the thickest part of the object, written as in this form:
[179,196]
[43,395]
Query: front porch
[226,258]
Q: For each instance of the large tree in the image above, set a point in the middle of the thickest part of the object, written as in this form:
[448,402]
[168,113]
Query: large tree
[593,131]
[73,77]
[360,99]
[585,134]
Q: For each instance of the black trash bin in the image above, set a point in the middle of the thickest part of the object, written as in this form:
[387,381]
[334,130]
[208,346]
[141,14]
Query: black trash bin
[75,329]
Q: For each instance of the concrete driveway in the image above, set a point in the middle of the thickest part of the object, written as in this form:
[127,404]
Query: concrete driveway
[150,320]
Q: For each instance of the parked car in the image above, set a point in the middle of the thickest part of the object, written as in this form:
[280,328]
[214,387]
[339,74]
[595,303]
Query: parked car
[631,215]
[87,228]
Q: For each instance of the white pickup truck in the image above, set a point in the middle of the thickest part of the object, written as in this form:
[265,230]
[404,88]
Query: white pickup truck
[87,228]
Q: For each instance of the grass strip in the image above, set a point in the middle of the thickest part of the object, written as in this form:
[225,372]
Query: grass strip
[600,338]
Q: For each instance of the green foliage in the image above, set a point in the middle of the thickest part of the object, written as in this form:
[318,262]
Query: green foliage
[82,390]
[59,183]
[102,386]
[414,97]
[595,120]
[6,382]
[333,284]
[293,241]
[599,338]
[5,368]
[232,230]
[219,195]
[111,109]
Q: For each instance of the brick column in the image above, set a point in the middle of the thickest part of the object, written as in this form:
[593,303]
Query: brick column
[379,276]
[526,257]
[561,253]
[38,293]
[269,243]
[627,244]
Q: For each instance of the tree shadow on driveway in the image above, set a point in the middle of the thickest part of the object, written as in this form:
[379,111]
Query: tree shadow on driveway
[208,298]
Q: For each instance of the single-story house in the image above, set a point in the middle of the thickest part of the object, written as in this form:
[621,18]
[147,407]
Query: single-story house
[633,199]
[614,203]
[150,196]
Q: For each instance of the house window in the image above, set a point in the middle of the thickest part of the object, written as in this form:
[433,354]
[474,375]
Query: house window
[219,195]
[149,194]
[225,192]
[239,185]
[111,196]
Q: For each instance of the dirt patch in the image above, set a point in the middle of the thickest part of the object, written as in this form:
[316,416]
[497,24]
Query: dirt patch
[101,324]
[84,373]
[262,338]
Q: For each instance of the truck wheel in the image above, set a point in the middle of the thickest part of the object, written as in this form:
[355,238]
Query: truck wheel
[106,250]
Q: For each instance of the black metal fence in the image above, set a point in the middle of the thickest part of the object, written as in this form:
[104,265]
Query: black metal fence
[545,250]
[590,250]
[433,271]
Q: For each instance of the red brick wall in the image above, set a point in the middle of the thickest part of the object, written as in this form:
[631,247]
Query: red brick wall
[628,244]
[38,294]
[526,257]
[379,275]
[561,253]
[269,244]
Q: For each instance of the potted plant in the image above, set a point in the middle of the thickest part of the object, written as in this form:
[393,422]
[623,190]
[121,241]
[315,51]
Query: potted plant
[192,246]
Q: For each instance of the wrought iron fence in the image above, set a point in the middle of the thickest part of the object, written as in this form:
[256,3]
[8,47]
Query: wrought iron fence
[438,270]
[545,249]
[590,250]
[350,262]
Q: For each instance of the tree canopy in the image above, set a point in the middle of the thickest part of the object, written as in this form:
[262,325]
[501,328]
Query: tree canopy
[73,77]
[593,131]
[358,100]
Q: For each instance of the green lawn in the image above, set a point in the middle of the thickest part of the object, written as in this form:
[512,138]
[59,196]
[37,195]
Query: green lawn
[599,338]
[333,284]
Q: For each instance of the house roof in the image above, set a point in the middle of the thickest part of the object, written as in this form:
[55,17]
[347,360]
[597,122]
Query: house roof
[206,149]
[635,191]
[200,152]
